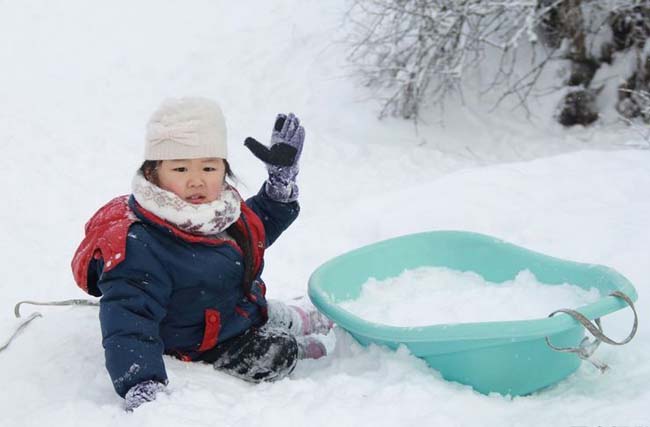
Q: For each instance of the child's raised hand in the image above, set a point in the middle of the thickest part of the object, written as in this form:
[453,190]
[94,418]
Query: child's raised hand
[287,140]
[281,157]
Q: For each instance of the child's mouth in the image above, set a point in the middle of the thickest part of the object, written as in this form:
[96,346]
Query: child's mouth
[195,199]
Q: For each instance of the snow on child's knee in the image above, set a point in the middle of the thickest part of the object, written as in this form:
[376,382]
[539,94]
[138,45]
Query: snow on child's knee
[436,295]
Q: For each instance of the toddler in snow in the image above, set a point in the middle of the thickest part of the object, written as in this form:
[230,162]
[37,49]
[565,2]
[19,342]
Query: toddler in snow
[178,262]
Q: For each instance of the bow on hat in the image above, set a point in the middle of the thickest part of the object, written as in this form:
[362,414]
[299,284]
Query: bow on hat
[182,133]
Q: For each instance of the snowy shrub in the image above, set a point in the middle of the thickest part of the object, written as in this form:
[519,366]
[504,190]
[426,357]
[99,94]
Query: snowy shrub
[630,24]
[415,53]
[578,107]
[631,28]
[636,105]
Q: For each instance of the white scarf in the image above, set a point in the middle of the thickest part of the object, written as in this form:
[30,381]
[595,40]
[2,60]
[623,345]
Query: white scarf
[205,219]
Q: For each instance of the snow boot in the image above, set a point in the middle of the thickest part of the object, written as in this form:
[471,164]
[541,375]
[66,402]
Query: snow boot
[310,347]
[313,321]
[297,320]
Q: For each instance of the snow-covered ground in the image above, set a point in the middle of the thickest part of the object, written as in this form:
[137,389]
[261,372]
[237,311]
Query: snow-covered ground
[78,82]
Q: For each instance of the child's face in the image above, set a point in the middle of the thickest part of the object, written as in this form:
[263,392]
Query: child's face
[193,180]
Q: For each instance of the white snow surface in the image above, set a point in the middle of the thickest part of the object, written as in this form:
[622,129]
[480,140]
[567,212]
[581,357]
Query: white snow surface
[79,80]
[437,295]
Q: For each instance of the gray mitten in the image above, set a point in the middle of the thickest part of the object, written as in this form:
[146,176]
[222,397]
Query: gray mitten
[281,158]
[141,393]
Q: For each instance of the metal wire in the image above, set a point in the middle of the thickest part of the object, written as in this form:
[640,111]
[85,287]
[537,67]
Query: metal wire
[586,348]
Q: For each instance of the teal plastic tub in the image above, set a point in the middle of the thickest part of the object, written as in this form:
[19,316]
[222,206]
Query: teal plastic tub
[511,357]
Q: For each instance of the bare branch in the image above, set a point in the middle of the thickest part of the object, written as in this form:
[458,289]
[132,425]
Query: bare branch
[416,52]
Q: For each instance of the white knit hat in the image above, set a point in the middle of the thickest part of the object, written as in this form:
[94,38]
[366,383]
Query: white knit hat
[186,128]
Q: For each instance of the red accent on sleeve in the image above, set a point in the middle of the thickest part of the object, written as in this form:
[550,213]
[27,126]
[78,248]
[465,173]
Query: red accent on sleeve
[212,329]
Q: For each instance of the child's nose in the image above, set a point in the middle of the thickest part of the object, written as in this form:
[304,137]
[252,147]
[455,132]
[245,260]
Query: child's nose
[195,180]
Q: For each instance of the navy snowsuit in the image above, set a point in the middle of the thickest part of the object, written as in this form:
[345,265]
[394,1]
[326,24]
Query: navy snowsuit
[172,295]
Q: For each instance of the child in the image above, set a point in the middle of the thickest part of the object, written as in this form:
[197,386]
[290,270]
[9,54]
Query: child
[178,262]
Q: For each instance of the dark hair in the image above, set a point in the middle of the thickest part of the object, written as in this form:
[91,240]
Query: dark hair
[149,169]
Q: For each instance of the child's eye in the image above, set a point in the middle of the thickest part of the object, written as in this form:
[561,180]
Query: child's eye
[180,169]
[209,169]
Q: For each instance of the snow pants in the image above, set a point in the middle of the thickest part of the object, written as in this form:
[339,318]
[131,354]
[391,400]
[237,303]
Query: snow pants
[259,354]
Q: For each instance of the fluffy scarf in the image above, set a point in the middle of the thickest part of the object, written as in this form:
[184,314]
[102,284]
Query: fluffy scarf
[206,219]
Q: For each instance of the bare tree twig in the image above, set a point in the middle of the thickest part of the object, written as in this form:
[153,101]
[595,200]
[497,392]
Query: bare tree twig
[416,52]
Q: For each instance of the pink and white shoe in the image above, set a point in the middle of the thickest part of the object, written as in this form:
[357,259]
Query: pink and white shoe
[313,321]
[297,320]
[310,347]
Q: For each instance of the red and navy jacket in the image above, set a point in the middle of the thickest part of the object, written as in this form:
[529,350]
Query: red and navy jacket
[165,291]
